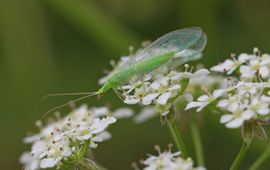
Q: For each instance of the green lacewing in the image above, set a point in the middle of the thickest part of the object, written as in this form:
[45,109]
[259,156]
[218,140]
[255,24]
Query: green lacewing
[170,51]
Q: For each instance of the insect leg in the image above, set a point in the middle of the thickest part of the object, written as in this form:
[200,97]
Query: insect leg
[118,94]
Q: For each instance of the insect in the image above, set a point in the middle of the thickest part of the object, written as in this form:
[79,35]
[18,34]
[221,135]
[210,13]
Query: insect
[170,51]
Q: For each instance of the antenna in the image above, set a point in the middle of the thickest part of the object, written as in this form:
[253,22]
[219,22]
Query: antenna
[89,94]
[65,94]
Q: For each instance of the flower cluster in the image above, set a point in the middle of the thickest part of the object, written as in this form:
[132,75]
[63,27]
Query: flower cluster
[159,89]
[248,103]
[246,99]
[250,66]
[240,103]
[168,161]
[69,138]
[194,88]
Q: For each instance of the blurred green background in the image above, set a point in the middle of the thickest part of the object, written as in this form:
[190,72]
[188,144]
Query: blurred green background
[64,45]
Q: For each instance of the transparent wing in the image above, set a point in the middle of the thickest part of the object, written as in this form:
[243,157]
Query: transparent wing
[192,52]
[184,42]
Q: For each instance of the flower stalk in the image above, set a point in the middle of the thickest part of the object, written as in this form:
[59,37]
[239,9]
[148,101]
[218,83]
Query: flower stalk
[197,142]
[262,158]
[177,137]
[240,156]
[174,130]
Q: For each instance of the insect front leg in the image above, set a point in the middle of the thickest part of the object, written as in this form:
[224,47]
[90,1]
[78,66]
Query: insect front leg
[118,94]
[118,85]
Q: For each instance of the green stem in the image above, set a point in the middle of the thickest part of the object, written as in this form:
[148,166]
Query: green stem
[174,130]
[240,156]
[197,142]
[177,137]
[262,158]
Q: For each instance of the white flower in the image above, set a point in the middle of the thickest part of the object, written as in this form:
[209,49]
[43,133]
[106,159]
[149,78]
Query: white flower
[208,81]
[136,83]
[85,131]
[230,104]
[180,163]
[56,150]
[244,103]
[145,114]
[258,106]
[237,118]
[49,162]
[158,90]
[139,94]
[239,103]
[168,161]
[38,147]
[57,141]
[29,161]
[162,161]
[149,98]
[205,100]
[251,66]
[199,74]
[99,111]
[242,109]
[161,90]
[123,113]
[229,66]
[259,66]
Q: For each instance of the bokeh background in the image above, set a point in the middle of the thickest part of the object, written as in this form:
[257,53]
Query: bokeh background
[64,45]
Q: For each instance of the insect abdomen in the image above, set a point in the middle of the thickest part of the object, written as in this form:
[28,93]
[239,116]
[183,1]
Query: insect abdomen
[142,67]
[153,63]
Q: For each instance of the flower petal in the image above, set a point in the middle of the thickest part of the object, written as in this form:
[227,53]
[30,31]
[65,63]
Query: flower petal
[149,98]
[193,104]
[188,96]
[263,111]
[264,71]
[223,103]
[162,100]
[48,162]
[203,98]
[123,113]
[223,67]
[200,73]
[247,114]
[218,93]
[235,123]
[155,85]
[131,101]
[226,118]
[175,87]
[145,114]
